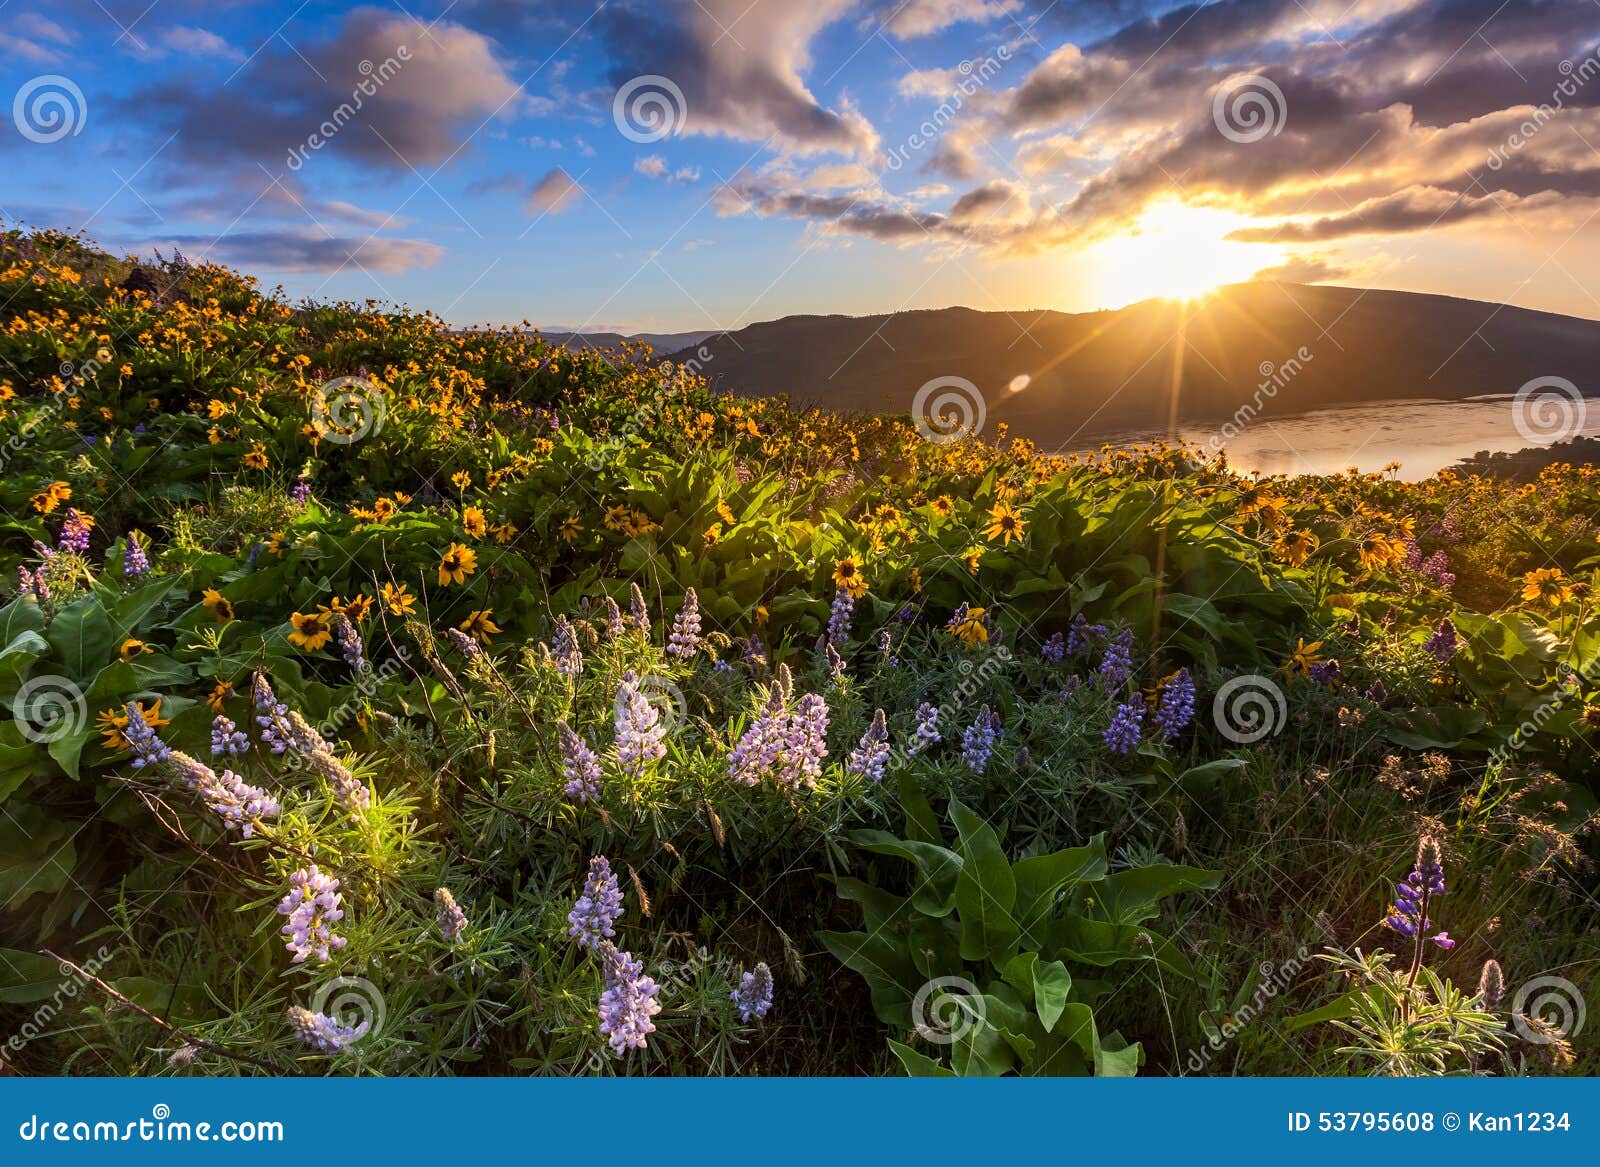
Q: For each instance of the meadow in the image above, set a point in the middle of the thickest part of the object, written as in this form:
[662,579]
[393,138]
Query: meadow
[389,699]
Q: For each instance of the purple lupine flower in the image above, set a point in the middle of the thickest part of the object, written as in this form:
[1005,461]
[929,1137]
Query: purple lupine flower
[594,916]
[1054,650]
[1408,915]
[313,907]
[448,916]
[1127,722]
[301,494]
[75,530]
[684,641]
[639,728]
[628,1001]
[638,614]
[755,653]
[148,748]
[927,732]
[226,737]
[564,648]
[804,744]
[1118,661]
[349,642]
[1377,694]
[1437,568]
[833,660]
[977,741]
[322,1032]
[1325,673]
[464,644]
[239,805]
[615,624]
[753,997]
[134,560]
[1083,636]
[752,756]
[580,766]
[1443,644]
[871,757]
[271,716]
[844,607]
[886,648]
[1176,707]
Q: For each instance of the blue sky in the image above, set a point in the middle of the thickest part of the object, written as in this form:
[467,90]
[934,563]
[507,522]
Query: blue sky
[847,156]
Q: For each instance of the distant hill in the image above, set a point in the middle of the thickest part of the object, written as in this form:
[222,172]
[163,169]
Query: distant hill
[1288,347]
[663,342]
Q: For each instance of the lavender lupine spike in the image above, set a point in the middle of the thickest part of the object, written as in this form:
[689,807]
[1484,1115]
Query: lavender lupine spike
[1083,636]
[351,792]
[448,916]
[833,660]
[593,918]
[564,648]
[349,642]
[871,757]
[684,641]
[226,737]
[752,756]
[805,744]
[1176,707]
[1122,735]
[639,729]
[753,997]
[1491,985]
[148,748]
[313,907]
[927,732]
[301,494]
[1325,673]
[615,624]
[1443,644]
[844,606]
[464,644]
[239,805]
[580,766]
[1118,661]
[320,1031]
[75,529]
[134,560]
[638,614]
[977,741]
[271,716]
[628,1001]
[1408,915]
[1054,649]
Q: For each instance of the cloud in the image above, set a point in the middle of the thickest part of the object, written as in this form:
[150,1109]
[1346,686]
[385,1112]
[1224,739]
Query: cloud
[740,68]
[198,42]
[917,18]
[552,193]
[651,166]
[385,92]
[306,250]
[1303,269]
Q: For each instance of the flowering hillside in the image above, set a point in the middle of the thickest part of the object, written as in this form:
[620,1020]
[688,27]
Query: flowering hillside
[389,699]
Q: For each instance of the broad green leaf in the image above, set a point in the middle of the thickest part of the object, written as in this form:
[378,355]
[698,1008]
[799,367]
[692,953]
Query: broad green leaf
[986,891]
[1040,879]
[81,637]
[918,1065]
[26,977]
[937,867]
[1051,984]
[1132,896]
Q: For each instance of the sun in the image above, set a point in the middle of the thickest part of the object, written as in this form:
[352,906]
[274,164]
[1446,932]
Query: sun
[1175,251]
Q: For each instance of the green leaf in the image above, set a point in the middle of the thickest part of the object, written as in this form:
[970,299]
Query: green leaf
[26,977]
[1335,1010]
[986,891]
[921,824]
[22,614]
[81,637]
[1051,984]
[937,868]
[1132,896]
[1041,879]
[918,1065]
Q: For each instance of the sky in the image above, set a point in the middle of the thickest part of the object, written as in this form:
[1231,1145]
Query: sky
[704,164]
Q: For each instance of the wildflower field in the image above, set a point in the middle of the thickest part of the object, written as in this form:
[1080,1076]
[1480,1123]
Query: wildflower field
[393,700]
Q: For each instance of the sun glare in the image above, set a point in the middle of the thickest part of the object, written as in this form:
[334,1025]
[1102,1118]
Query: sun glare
[1177,252]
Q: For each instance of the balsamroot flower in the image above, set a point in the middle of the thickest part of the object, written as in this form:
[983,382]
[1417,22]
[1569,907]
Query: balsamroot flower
[638,727]
[580,766]
[1127,722]
[449,917]
[753,997]
[320,1031]
[684,641]
[593,918]
[871,757]
[628,1002]
[313,907]
[1176,707]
